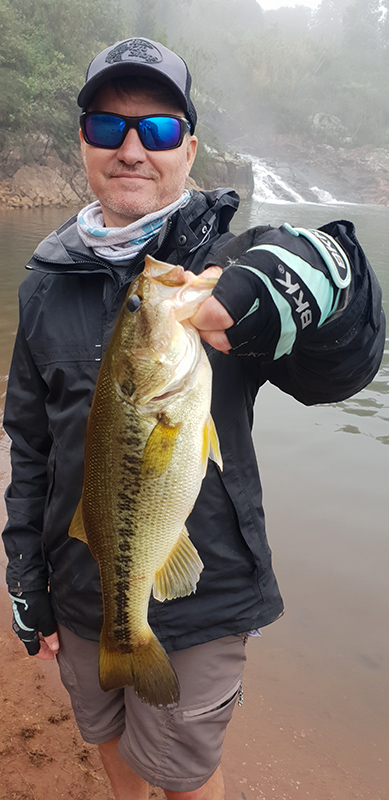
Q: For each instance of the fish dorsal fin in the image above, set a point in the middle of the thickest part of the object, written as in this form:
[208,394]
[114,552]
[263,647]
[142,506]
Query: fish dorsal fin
[159,448]
[211,447]
[180,572]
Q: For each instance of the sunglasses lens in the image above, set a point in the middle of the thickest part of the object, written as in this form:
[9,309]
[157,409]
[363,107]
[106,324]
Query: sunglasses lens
[160,133]
[103,130]
[155,133]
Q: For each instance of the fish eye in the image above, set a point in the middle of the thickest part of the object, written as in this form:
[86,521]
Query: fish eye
[133,303]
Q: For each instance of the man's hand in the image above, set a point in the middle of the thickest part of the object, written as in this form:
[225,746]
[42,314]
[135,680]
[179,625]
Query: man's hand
[212,320]
[33,622]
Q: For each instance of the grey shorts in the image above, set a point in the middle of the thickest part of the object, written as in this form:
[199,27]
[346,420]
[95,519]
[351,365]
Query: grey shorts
[177,748]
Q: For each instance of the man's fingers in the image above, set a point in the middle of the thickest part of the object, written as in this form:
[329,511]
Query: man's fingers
[212,272]
[52,641]
[212,320]
[49,646]
[217,339]
[212,316]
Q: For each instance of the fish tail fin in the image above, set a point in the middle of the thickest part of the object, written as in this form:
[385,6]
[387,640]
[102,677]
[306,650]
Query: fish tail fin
[146,668]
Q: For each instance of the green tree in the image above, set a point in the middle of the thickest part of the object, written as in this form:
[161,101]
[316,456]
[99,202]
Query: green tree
[327,19]
[361,28]
[45,46]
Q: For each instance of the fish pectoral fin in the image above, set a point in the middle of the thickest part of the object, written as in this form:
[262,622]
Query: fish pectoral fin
[159,448]
[180,572]
[211,446]
[214,451]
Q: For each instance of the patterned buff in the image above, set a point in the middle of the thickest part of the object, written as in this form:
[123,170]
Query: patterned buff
[121,244]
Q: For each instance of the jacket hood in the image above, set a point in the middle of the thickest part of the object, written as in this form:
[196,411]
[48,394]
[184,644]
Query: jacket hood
[63,248]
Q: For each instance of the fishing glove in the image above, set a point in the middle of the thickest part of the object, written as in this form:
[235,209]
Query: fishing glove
[279,285]
[32,614]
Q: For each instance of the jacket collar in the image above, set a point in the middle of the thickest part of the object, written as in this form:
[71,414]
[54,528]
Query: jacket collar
[63,249]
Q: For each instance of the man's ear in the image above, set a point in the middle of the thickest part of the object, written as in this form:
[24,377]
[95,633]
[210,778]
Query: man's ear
[191,149]
[82,145]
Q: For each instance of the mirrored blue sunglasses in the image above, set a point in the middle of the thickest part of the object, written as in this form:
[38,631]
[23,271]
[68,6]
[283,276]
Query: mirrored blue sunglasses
[158,132]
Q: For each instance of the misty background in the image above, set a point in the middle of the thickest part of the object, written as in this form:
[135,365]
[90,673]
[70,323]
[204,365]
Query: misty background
[315,76]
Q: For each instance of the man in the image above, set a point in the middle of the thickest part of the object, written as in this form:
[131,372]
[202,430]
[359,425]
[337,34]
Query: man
[297,307]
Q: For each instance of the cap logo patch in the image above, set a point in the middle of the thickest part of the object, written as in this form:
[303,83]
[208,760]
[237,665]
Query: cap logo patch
[135,49]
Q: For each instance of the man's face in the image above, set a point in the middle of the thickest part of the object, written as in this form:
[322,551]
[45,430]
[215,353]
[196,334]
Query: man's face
[131,181]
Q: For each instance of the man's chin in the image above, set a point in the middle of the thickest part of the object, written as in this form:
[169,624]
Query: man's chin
[120,214]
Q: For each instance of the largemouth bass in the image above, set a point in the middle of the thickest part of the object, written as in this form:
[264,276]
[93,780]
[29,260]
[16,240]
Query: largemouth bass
[148,440]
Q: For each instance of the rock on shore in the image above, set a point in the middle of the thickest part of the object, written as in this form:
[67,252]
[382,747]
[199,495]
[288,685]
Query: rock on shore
[33,173]
[230,169]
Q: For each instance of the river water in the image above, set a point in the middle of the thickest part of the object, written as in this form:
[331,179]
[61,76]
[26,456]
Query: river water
[325,477]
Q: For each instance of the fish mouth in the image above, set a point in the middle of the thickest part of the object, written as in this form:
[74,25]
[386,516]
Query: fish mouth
[149,401]
[165,395]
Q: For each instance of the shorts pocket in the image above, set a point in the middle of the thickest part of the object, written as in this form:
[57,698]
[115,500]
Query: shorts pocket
[224,703]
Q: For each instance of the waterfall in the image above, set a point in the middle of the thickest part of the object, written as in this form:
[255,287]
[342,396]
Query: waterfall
[325,197]
[270,187]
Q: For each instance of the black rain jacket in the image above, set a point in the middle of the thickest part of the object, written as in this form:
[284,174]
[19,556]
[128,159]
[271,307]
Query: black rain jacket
[68,307]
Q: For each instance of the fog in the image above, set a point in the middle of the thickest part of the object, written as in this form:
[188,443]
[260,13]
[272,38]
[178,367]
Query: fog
[300,74]
[261,71]
[270,5]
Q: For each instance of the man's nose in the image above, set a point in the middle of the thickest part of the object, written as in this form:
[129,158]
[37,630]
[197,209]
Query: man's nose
[131,150]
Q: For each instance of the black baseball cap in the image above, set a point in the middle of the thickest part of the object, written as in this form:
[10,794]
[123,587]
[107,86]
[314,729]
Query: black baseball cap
[140,57]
